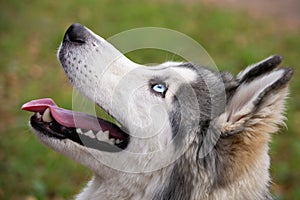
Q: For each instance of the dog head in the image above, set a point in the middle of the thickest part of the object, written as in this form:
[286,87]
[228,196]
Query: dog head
[164,113]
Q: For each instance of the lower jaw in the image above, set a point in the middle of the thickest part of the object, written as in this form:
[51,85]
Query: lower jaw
[60,133]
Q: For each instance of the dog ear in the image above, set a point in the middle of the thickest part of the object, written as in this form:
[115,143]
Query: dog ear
[258,101]
[249,74]
[263,67]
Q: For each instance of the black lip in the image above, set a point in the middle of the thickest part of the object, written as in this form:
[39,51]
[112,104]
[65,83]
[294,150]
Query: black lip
[55,130]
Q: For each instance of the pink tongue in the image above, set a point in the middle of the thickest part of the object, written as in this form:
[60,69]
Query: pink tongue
[72,119]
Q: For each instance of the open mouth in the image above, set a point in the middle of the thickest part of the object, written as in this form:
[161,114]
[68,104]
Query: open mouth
[84,129]
[55,122]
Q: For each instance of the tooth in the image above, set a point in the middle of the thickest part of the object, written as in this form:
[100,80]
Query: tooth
[78,130]
[118,141]
[47,116]
[38,115]
[112,141]
[90,134]
[102,136]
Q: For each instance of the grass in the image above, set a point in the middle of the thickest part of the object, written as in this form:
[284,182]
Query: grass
[30,35]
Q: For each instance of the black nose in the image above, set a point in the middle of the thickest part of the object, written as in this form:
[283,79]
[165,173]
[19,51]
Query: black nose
[76,33]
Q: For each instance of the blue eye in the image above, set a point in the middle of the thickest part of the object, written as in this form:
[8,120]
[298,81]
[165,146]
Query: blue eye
[159,88]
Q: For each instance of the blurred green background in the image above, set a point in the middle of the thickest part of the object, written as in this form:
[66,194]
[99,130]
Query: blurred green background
[31,31]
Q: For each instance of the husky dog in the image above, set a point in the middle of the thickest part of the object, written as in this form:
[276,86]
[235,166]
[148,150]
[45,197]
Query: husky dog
[182,131]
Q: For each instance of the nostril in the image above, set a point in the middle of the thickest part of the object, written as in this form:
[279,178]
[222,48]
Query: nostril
[76,33]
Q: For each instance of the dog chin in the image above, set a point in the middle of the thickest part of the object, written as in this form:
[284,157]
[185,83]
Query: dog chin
[60,145]
[68,148]
[101,163]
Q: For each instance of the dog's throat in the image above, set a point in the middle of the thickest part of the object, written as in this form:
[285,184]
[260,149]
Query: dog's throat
[84,129]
